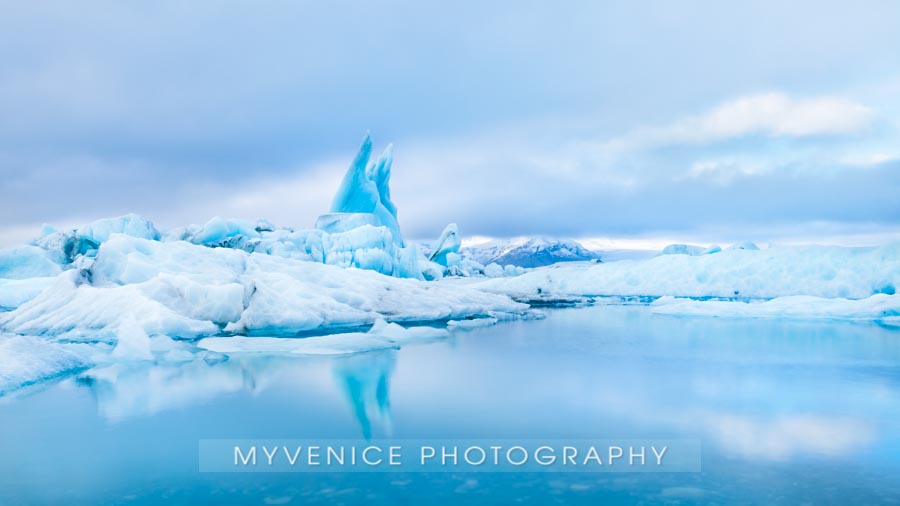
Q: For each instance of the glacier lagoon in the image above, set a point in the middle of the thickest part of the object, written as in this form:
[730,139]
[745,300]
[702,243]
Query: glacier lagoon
[122,346]
[787,412]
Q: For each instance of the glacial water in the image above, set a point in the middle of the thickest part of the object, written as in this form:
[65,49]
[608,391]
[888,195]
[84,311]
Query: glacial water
[788,412]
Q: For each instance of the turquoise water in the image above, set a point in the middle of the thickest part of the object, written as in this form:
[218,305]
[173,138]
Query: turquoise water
[787,412]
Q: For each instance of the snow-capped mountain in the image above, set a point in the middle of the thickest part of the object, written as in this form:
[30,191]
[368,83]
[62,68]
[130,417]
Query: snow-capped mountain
[528,252]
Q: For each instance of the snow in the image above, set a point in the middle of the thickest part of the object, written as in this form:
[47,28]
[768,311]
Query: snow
[528,251]
[820,271]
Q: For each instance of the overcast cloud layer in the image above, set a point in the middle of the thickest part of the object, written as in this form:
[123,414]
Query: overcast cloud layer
[697,121]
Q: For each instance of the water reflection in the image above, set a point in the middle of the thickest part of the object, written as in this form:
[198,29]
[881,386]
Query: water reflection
[365,379]
[787,412]
[756,390]
[142,389]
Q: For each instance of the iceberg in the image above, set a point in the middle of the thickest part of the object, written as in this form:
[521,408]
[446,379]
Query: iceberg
[25,360]
[819,271]
[365,189]
[687,249]
[132,342]
[15,292]
[120,290]
[66,247]
[881,307]
[226,233]
[131,224]
[360,231]
[187,290]
[382,335]
[26,262]
[446,250]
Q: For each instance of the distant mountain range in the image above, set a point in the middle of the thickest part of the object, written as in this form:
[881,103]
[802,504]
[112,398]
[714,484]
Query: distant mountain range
[528,252]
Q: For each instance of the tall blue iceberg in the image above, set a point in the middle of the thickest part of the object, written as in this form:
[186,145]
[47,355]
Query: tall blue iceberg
[362,228]
[366,189]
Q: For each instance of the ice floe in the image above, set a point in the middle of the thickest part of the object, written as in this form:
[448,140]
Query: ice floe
[881,307]
[820,271]
[382,335]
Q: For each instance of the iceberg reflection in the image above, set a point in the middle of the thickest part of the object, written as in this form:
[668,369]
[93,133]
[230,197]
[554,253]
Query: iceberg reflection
[142,389]
[365,379]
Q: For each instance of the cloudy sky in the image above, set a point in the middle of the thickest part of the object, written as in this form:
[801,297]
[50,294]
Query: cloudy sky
[626,122]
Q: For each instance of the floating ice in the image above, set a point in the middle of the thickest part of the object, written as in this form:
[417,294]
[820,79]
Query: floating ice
[187,290]
[820,271]
[333,344]
[132,342]
[687,249]
[26,359]
[382,335]
[473,323]
[880,307]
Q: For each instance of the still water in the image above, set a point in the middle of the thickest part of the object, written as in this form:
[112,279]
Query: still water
[787,412]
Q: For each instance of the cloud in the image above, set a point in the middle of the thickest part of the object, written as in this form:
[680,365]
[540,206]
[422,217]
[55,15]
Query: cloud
[672,180]
[777,114]
[530,121]
[725,170]
[768,114]
[868,160]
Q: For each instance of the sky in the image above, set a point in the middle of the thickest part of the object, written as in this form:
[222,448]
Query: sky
[620,123]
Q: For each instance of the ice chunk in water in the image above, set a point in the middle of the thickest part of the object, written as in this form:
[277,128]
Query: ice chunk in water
[26,359]
[133,343]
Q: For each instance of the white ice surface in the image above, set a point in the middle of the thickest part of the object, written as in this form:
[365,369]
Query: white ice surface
[185,290]
[472,324]
[821,271]
[27,359]
[25,262]
[382,335]
[15,292]
[881,307]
